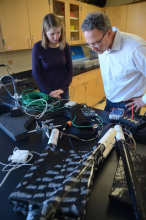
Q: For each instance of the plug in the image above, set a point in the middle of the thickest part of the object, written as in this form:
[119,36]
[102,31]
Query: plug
[16,111]
[19,156]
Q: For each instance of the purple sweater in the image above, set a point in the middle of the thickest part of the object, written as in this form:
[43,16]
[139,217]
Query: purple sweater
[52,68]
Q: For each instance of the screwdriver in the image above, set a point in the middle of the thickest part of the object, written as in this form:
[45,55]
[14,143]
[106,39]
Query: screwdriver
[67,125]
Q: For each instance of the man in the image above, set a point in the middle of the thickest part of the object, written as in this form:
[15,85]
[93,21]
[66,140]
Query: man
[122,58]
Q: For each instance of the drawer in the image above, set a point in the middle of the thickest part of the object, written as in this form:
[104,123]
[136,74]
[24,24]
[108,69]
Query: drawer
[98,73]
[79,79]
[92,74]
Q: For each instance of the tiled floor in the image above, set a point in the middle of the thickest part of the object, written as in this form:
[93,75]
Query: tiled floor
[102,105]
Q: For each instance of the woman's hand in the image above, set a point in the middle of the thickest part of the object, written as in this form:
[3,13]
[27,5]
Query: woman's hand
[56,93]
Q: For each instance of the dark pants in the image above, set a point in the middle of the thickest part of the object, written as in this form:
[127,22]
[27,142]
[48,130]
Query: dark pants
[110,105]
[65,95]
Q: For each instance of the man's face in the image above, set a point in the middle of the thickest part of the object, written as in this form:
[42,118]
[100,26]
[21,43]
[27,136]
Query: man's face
[97,40]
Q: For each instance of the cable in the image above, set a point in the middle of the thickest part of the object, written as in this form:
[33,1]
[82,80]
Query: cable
[39,115]
[18,164]
[13,82]
[84,129]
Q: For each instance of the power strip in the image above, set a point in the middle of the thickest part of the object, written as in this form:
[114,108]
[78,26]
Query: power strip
[136,124]
[19,156]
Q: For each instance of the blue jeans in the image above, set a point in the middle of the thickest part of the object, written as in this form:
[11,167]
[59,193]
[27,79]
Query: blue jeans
[110,105]
[65,95]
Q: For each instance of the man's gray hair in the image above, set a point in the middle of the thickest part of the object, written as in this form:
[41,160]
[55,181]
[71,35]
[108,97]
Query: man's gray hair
[96,20]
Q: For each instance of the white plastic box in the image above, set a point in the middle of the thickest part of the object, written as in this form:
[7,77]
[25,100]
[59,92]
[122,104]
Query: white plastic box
[85,62]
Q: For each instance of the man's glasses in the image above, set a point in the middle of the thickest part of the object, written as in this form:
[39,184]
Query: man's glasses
[96,44]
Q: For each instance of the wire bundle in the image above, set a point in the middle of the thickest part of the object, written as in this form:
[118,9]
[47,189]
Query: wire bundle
[31,96]
[84,129]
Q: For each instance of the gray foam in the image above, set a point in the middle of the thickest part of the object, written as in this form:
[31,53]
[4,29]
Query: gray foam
[15,127]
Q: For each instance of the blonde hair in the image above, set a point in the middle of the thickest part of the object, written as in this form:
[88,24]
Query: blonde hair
[49,21]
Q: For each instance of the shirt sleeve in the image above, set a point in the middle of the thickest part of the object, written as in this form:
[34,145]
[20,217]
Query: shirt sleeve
[144,98]
[68,69]
[139,58]
[37,71]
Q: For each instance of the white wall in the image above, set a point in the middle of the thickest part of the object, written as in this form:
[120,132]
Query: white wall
[22,61]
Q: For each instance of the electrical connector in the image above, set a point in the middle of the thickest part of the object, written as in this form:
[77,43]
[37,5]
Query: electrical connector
[16,111]
[136,124]
[19,156]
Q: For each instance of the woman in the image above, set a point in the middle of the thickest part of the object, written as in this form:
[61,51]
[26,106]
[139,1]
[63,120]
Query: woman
[51,59]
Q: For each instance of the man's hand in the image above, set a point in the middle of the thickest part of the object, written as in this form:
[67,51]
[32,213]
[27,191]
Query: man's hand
[56,93]
[136,102]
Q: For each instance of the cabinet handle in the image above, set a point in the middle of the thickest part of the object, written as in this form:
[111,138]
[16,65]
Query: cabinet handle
[32,41]
[74,92]
[29,42]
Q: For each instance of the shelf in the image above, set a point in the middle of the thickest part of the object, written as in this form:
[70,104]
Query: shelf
[73,18]
[60,16]
[74,31]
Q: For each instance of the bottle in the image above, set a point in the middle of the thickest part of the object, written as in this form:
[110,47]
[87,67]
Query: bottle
[52,142]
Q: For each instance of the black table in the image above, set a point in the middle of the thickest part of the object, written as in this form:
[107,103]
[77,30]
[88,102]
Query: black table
[99,205]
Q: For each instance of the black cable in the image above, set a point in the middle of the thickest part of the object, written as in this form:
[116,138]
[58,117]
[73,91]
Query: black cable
[85,131]
[66,114]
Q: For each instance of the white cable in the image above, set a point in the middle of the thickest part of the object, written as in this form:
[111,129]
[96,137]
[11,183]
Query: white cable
[35,153]
[16,166]
[39,115]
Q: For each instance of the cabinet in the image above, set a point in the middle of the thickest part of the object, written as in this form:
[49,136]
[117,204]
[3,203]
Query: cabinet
[87,88]
[21,23]
[86,8]
[69,12]
[136,18]
[117,16]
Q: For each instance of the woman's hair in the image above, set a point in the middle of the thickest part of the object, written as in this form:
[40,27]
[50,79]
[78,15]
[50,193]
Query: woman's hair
[49,21]
[96,20]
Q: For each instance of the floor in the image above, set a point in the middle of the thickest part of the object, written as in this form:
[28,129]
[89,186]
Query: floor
[101,106]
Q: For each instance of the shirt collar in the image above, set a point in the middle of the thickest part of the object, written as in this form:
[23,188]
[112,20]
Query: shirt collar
[117,40]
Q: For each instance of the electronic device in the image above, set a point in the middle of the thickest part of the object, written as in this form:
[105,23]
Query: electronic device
[88,112]
[70,104]
[116,113]
[19,156]
[135,123]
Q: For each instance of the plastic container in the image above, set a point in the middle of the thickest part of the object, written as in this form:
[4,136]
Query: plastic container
[93,54]
[72,27]
[85,62]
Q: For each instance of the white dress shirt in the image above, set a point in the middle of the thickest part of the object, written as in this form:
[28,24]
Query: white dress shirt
[123,68]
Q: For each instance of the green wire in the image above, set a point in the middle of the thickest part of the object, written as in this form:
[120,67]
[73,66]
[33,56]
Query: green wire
[79,126]
[29,97]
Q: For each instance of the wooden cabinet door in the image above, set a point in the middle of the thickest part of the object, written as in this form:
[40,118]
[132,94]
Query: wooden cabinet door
[100,89]
[15,24]
[91,92]
[117,16]
[86,8]
[37,9]
[74,22]
[78,94]
[60,8]
[95,8]
[136,18]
